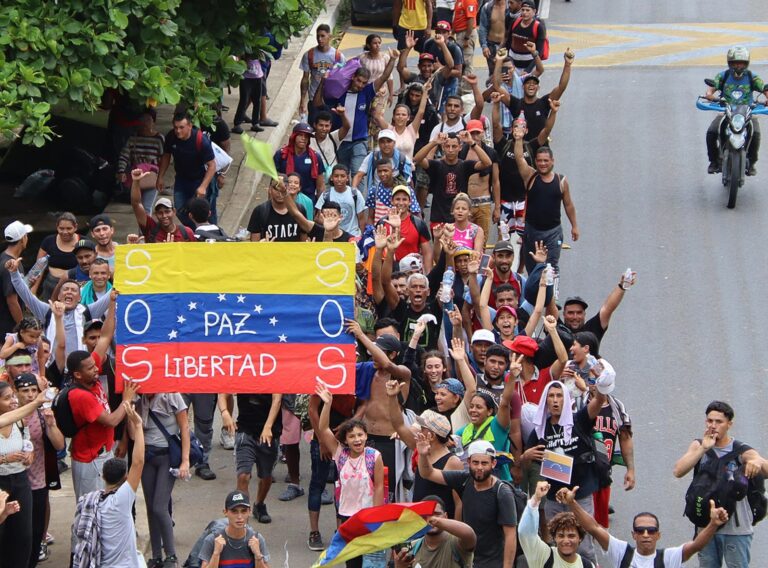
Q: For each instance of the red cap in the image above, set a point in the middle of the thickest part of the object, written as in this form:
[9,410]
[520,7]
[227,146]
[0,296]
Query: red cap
[524,345]
[443,26]
[507,309]
[475,126]
[426,57]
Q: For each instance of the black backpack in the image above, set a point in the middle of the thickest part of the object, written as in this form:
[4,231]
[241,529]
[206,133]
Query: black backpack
[629,554]
[62,410]
[520,496]
[713,480]
[585,562]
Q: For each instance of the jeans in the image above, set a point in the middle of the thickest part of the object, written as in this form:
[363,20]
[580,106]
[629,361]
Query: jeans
[320,469]
[250,92]
[157,483]
[713,152]
[491,60]
[552,508]
[352,154]
[204,406]
[733,549]
[183,191]
[553,240]
[39,505]
[468,52]
[16,531]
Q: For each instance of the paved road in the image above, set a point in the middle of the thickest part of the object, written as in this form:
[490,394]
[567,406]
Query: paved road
[632,144]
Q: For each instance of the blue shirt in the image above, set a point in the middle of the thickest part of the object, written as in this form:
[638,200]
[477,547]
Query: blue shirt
[190,155]
[357,106]
[302,165]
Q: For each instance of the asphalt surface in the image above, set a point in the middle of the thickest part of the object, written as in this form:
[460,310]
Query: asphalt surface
[631,143]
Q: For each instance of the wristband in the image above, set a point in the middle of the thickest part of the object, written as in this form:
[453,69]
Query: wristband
[473,144]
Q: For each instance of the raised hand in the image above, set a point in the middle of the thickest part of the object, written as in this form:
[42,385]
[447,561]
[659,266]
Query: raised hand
[540,254]
[550,324]
[394,53]
[13,265]
[132,239]
[394,241]
[516,365]
[566,496]
[569,55]
[138,175]
[393,387]
[322,391]
[353,327]
[471,79]
[57,308]
[380,237]
[458,353]
[495,97]
[393,218]
[717,515]
[422,444]
[554,104]
[455,316]
[530,46]
[542,488]
[410,39]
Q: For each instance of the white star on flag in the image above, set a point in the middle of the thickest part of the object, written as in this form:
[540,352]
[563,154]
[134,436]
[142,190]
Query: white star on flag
[181,319]
[222,298]
[192,306]
[257,309]
[241,299]
[283,338]
[173,334]
[273,321]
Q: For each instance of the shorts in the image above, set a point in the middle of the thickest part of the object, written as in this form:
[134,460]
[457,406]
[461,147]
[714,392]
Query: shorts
[291,428]
[513,214]
[421,178]
[249,451]
[399,33]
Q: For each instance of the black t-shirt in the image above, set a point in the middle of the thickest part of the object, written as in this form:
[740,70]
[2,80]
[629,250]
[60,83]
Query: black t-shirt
[252,414]
[318,233]
[446,181]
[578,448]
[512,186]
[7,323]
[546,355]
[267,222]
[408,317]
[485,172]
[487,512]
[190,155]
[221,132]
[535,113]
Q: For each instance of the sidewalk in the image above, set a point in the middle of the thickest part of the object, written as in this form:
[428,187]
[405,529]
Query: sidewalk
[244,188]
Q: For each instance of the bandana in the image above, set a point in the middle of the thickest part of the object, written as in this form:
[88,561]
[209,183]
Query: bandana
[19,360]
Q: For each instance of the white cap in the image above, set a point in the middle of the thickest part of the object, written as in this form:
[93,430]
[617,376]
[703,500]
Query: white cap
[606,382]
[481,447]
[16,231]
[387,133]
[410,262]
[483,335]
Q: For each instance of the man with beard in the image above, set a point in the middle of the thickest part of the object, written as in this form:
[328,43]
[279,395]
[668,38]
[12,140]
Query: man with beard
[271,219]
[102,233]
[488,504]
[165,228]
[448,544]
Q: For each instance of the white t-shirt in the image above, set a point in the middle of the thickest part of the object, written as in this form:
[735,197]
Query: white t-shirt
[118,535]
[673,557]
[327,150]
[460,125]
[349,209]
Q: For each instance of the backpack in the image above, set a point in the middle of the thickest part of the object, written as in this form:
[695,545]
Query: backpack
[370,465]
[339,78]
[598,458]
[216,527]
[327,197]
[585,562]
[629,554]
[712,480]
[544,55]
[219,236]
[521,502]
[62,410]
[726,76]
[152,237]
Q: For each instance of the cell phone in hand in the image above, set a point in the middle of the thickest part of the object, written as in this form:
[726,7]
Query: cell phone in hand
[484,261]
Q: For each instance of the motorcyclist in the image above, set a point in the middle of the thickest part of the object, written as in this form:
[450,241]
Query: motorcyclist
[732,84]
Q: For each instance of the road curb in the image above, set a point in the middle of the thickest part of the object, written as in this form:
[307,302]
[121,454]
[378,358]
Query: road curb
[284,104]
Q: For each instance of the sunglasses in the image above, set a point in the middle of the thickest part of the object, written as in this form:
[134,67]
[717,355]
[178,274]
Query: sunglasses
[649,530]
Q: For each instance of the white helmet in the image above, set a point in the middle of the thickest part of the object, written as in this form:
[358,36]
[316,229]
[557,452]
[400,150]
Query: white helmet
[738,53]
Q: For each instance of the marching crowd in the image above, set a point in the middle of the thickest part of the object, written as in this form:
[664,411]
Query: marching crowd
[477,387]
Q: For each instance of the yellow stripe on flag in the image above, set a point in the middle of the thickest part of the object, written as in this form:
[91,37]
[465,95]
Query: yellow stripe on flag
[242,268]
[559,458]
[258,156]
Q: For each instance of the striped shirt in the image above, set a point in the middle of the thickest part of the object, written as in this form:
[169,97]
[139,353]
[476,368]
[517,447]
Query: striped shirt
[380,200]
[140,150]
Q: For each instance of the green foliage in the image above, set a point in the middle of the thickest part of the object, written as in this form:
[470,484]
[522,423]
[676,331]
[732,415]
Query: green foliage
[73,52]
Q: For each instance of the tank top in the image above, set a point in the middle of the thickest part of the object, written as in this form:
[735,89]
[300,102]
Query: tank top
[543,208]
[466,237]
[58,258]
[423,487]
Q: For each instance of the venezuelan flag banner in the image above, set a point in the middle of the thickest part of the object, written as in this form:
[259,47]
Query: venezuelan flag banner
[235,317]
[377,528]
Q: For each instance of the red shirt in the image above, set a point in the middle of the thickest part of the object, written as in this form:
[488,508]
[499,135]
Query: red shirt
[533,389]
[91,437]
[161,235]
[464,10]
[413,239]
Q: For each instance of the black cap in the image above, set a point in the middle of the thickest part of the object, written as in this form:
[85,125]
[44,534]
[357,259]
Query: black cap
[92,324]
[236,499]
[84,244]
[388,342]
[531,77]
[100,219]
[576,300]
[26,380]
[503,246]
[303,128]
[529,3]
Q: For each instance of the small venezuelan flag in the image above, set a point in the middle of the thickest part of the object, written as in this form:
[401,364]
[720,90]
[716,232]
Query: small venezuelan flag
[377,528]
[557,467]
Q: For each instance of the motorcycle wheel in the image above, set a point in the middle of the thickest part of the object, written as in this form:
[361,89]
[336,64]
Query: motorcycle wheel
[736,170]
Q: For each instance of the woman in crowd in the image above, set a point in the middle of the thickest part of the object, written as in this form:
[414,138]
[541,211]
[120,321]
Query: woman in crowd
[375,61]
[405,127]
[61,256]
[142,151]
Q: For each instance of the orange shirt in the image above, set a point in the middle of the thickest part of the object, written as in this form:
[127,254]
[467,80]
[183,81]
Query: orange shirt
[463,11]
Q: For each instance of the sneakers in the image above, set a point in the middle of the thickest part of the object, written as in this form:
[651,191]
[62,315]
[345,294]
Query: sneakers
[268,122]
[291,492]
[256,128]
[713,168]
[326,498]
[315,541]
[236,129]
[48,539]
[204,472]
[170,562]
[45,554]
[751,169]
[227,440]
[260,513]
[155,563]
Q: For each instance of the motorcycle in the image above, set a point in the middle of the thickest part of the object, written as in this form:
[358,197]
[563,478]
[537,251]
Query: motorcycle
[735,136]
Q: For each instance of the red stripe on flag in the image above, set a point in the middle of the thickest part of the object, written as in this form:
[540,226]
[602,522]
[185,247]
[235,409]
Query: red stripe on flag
[355,526]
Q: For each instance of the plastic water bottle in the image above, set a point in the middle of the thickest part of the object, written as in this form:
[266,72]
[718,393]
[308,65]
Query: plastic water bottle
[626,280]
[504,231]
[304,117]
[174,471]
[446,287]
[36,270]
[550,275]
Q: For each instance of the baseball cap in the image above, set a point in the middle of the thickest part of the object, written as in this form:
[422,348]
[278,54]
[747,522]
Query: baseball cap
[400,188]
[503,246]
[236,499]
[452,385]
[443,26]
[388,342]
[26,380]
[387,133]
[462,250]
[475,126]
[576,300]
[507,309]
[410,262]
[531,77]
[100,219]
[483,335]
[16,231]
[304,128]
[426,57]
[84,244]
[528,3]
[92,324]
[524,345]
[434,422]
[163,202]
[481,447]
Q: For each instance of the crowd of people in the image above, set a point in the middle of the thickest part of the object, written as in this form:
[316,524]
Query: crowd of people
[477,387]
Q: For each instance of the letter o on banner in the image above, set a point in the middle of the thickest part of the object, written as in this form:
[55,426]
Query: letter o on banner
[341,318]
[147,323]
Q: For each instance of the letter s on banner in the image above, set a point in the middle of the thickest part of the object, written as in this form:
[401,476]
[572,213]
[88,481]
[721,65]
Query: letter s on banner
[332,266]
[133,364]
[143,267]
[339,365]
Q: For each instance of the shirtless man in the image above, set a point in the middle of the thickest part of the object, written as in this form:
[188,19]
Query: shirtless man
[371,388]
[495,19]
[483,186]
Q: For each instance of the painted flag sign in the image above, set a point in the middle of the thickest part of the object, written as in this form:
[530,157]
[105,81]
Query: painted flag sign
[557,467]
[377,528]
[235,317]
